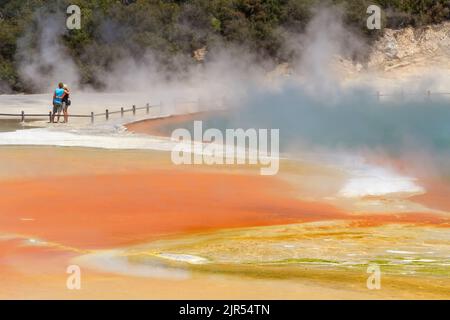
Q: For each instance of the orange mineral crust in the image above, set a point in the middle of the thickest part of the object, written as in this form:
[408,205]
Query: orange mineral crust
[437,196]
[156,127]
[97,211]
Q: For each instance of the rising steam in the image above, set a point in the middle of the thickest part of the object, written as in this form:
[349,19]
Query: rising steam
[43,60]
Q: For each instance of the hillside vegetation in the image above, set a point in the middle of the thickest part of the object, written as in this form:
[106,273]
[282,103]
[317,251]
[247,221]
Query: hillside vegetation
[173,29]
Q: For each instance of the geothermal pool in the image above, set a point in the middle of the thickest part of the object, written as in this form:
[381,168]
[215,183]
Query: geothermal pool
[111,201]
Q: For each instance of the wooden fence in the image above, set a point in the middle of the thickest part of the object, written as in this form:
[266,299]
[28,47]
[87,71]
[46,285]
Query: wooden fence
[401,93]
[92,116]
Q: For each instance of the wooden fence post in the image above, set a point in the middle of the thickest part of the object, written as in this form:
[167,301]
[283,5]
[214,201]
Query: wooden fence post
[50,117]
[134,110]
[148,108]
[107,114]
[23,116]
[121,112]
[92,117]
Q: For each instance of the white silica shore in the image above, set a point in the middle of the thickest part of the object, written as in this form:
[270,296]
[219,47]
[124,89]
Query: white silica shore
[369,180]
[104,138]
[183,258]
[114,261]
[45,137]
[366,179]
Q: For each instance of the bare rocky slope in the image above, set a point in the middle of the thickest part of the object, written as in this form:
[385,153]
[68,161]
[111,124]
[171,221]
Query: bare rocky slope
[400,59]
[411,47]
[409,59]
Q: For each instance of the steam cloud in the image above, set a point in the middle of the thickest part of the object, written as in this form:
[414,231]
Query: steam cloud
[316,106]
[43,60]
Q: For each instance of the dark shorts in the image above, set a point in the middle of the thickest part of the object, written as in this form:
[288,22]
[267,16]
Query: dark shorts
[57,107]
[65,106]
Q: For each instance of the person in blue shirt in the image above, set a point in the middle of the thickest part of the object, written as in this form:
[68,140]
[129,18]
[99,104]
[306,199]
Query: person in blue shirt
[58,96]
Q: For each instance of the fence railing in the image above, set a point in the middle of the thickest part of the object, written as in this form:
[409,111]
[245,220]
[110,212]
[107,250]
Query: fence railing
[22,115]
[402,94]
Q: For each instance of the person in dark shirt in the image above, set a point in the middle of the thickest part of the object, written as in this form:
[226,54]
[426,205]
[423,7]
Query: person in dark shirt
[66,103]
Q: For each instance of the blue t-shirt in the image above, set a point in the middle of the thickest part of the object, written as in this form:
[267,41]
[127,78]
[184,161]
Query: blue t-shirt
[58,96]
